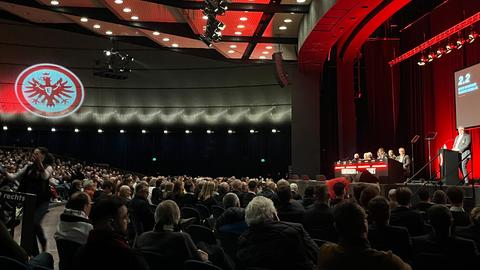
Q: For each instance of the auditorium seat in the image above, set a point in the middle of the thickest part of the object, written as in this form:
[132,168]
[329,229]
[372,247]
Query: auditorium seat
[319,242]
[201,234]
[189,212]
[155,260]
[217,211]
[203,210]
[197,265]
[229,242]
[427,261]
[11,264]
[66,252]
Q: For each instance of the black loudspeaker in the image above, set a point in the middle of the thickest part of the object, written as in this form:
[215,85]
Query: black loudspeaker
[367,177]
[280,74]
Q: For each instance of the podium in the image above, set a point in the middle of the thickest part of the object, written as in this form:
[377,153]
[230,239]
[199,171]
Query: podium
[449,169]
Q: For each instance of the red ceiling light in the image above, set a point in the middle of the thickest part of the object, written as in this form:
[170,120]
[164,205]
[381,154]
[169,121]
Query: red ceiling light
[238,33]
[460,42]
[450,46]
[423,60]
[431,56]
[440,52]
[472,36]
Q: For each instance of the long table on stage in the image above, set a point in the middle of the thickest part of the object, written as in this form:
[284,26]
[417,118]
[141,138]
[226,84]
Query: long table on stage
[387,171]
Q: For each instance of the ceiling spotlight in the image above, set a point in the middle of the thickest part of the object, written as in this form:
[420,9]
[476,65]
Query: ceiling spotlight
[29,129]
[118,2]
[243,19]
[265,52]
[54,2]
[205,17]
[263,57]
[269,47]
[76,130]
[301,1]
[156,33]
[83,19]
[209,131]
[283,27]
[108,32]
[107,52]
[230,131]
[53,130]
[431,56]
[127,10]
[166,39]
[287,20]
[274,130]
[187,131]
[175,45]
[231,51]
[233,46]
[241,26]
[252,131]
[472,36]
[100,130]
[122,131]
[144,131]
[450,46]
[423,60]
[134,17]
[96,26]
[440,52]
[460,42]
[5,128]
[165,131]
[238,33]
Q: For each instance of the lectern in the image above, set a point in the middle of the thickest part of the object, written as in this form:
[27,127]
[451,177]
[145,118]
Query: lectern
[449,169]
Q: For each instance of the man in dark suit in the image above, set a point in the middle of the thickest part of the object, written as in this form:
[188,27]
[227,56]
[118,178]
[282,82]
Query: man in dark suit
[288,209]
[318,220]
[384,237]
[404,216]
[462,145]
[404,159]
[140,210]
[252,193]
[442,243]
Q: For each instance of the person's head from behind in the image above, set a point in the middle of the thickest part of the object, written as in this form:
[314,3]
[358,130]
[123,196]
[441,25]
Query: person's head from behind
[339,190]
[237,185]
[379,210]
[223,188]
[110,213]
[423,195]
[282,183]
[125,192]
[179,187]
[79,201]
[439,197]
[252,186]
[167,215]
[309,192]
[392,195]
[189,186]
[357,190]
[441,219]
[321,194]
[141,189]
[107,187]
[207,190]
[350,221]
[367,194]
[260,210]
[284,194]
[455,195]
[231,200]
[404,196]
[475,215]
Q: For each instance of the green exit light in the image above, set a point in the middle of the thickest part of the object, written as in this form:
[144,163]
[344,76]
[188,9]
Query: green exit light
[154,159]
[262,160]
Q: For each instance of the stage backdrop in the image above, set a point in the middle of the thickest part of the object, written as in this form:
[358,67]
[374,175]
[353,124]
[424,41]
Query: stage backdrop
[427,94]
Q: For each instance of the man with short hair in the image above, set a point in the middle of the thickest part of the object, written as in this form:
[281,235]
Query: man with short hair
[404,216]
[353,250]
[462,145]
[272,244]
[441,242]
[339,191]
[404,159]
[233,218]
[74,224]
[460,217]
[424,203]
[318,218]
[140,210]
[289,209]
[252,193]
[106,247]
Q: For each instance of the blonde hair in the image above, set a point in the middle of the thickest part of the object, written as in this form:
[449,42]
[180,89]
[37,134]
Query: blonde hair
[207,191]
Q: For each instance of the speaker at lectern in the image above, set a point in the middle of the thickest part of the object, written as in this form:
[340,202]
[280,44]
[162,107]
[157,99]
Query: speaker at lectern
[449,166]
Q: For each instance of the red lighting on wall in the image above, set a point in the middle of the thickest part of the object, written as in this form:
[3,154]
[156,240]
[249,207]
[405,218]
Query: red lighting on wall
[438,38]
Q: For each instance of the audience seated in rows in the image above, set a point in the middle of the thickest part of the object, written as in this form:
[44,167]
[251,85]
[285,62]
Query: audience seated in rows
[353,250]
[405,216]
[424,204]
[273,244]
[383,236]
[318,218]
[472,232]
[287,208]
[339,191]
[460,217]
[233,218]
[141,213]
[74,224]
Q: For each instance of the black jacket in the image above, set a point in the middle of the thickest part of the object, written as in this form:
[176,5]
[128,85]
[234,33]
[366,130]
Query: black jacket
[157,196]
[392,238]
[247,197]
[318,221]
[277,245]
[471,232]
[231,216]
[411,219]
[142,214]
[292,211]
[460,218]
[175,247]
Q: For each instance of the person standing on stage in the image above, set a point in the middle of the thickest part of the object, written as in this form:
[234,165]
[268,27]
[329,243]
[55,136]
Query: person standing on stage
[33,178]
[404,159]
[462,145]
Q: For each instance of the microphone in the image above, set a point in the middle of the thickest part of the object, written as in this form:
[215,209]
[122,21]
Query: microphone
[415,139]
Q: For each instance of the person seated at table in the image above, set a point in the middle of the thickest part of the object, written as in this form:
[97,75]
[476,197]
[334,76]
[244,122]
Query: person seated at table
[381,155]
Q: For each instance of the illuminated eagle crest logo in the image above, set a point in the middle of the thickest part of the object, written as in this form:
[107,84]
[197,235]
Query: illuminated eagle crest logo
[49,90]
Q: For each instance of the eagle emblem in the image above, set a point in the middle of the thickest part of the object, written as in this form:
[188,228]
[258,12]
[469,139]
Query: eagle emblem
[49,90]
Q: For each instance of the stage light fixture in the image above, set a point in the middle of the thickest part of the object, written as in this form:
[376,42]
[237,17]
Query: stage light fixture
[450,46]
[76,130]
[209,131]
[165,131]
[440,52]
[423,60]
[431,56]
[144,131]
[472,36]
[29,129]
[100,130]
[274,131]
[460,42]
[187,131]
[53,130]
[252,131]
[5,128]
[230,131]
[122,131]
